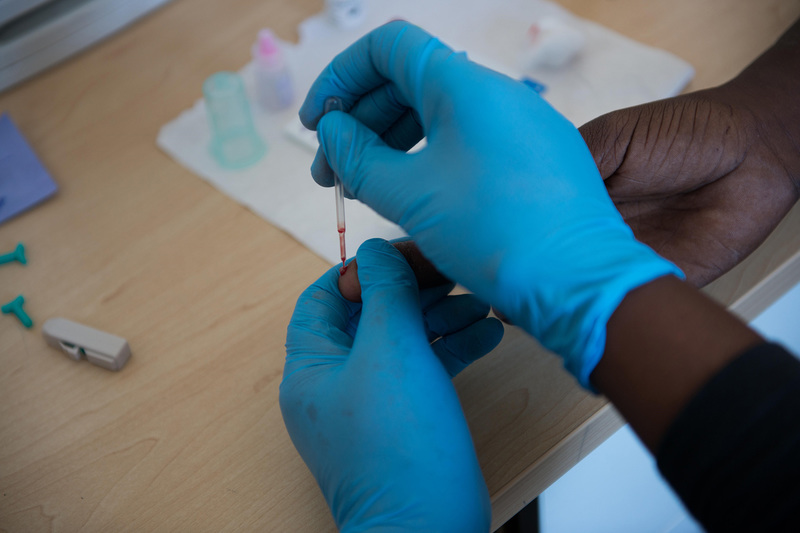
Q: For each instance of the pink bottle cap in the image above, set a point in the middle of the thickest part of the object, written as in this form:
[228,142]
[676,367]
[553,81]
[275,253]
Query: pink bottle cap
[267,49]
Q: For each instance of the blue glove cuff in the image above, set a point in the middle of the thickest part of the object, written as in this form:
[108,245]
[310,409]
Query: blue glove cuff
[585,303]
[584,357]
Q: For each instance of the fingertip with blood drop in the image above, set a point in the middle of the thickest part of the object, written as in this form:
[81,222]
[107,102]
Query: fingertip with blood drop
[349,285]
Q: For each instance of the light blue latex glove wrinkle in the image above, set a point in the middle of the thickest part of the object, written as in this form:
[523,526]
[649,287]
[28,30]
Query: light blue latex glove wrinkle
[369,404]
[505,198]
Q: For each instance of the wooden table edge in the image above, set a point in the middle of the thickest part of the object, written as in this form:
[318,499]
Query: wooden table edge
[529,484]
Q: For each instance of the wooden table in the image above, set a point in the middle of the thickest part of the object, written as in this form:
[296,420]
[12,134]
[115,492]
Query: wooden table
[189,436]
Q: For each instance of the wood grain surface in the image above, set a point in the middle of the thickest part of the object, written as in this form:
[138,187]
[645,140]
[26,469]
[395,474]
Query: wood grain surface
[189,436]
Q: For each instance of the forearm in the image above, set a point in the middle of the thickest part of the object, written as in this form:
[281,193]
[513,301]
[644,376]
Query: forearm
[664,342]
[770,89]
[776,72]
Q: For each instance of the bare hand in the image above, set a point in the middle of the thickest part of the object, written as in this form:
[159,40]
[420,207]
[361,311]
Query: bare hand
[702,178]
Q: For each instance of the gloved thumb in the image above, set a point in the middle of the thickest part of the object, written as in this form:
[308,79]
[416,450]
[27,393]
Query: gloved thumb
[391,316]
[368,168]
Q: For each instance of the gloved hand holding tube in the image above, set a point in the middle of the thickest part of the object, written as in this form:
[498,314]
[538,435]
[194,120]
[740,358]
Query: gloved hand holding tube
[505,198]
[369,403]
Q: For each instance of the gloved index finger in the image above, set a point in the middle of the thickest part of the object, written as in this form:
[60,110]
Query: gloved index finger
[397,52]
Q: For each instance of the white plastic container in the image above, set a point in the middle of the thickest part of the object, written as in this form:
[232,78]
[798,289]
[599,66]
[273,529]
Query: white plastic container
[274,89]
[345,14]
[552,43]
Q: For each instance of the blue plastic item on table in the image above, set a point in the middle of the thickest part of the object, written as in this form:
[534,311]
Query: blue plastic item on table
[17,254]
[15,307]
[24,182]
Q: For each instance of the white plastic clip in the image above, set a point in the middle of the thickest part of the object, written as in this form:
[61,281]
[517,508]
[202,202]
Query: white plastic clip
[78,341]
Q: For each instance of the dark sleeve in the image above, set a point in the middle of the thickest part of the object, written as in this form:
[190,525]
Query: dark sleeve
[733,454]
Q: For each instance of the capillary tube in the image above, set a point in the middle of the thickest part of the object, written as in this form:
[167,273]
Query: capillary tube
[335,104]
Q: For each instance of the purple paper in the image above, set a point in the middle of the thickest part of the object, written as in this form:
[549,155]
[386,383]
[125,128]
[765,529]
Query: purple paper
[24,182]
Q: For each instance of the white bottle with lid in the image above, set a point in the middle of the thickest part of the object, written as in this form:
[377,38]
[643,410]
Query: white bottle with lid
[273,83]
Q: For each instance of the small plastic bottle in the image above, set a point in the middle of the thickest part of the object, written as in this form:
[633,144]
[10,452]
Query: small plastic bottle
[235,144]
[273,83]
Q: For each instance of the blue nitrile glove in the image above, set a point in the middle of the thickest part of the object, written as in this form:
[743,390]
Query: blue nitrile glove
[505,198]
[369,404]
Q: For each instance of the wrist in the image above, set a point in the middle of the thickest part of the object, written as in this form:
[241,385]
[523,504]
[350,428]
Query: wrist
[567,305]
[665,341]
[767,93]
